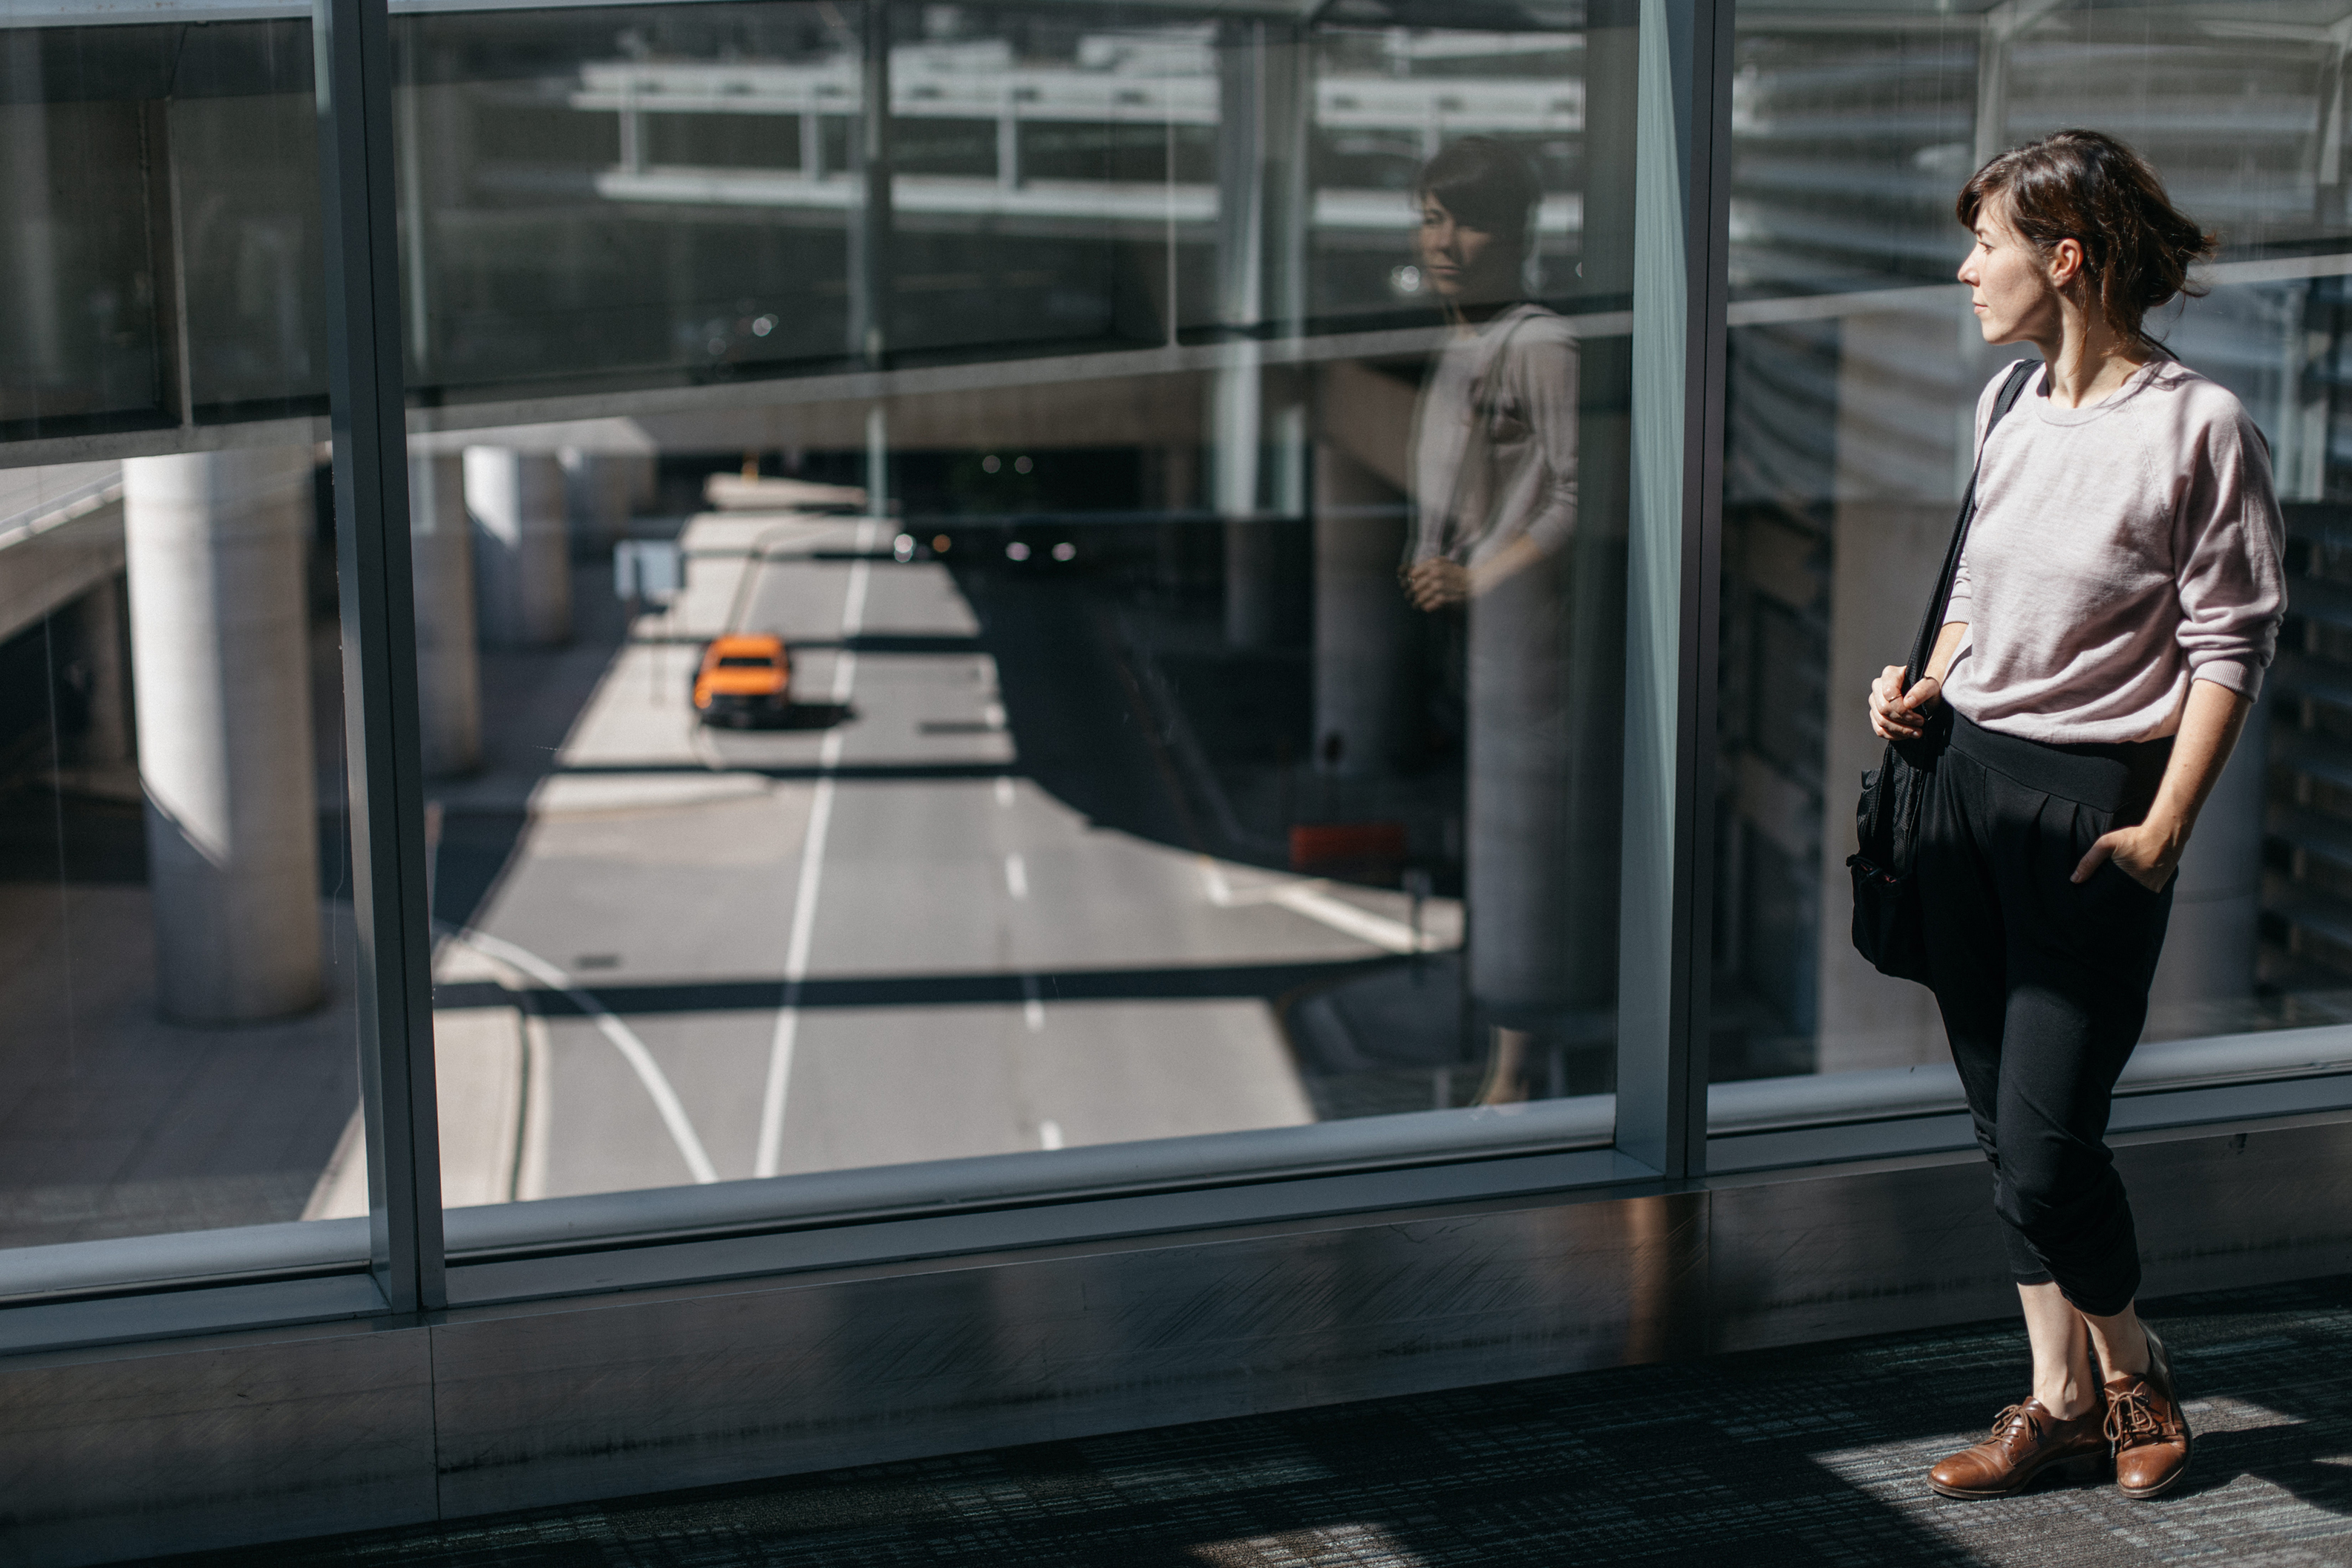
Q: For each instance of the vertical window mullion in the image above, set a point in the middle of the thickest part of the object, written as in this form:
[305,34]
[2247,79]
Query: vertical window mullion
[1681,271]
[353,53]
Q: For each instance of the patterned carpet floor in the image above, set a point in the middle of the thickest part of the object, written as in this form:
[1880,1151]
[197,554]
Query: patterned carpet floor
[1811,1455]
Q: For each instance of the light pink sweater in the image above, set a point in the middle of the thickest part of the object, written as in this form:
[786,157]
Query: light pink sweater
[2119,552]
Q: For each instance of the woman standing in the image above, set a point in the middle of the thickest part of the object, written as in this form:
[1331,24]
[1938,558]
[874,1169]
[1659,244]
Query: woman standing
[2117,602]
[1494,465]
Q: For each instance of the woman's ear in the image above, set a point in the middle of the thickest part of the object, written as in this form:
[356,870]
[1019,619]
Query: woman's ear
[2066,262]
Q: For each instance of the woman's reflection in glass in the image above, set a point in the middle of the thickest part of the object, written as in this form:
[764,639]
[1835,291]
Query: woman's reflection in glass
[1494,486]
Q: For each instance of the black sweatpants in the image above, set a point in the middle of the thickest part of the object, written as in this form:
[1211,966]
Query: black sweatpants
[2043,984]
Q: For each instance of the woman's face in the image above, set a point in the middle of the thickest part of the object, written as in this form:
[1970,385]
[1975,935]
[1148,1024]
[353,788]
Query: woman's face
[2012,286]
[1464,263]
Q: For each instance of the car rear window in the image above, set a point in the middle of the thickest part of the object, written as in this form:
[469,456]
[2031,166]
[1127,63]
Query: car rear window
[745,661]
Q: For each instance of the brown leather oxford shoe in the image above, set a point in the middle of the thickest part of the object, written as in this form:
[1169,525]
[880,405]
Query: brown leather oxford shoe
[2026,1440]
[2146,1424]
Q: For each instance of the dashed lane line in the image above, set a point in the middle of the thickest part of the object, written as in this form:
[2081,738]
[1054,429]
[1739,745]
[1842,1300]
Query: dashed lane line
[770,1153]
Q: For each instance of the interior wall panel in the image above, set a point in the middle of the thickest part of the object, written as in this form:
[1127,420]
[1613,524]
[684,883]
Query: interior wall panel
[725,1385]
[136,1451]
[173,1446]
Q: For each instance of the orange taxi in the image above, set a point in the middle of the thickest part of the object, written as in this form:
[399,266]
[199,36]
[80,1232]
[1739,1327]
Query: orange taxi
[744,679]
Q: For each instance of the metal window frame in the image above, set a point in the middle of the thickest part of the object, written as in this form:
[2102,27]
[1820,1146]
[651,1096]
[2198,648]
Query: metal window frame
[351,48]
[1681,246]
[1682,271]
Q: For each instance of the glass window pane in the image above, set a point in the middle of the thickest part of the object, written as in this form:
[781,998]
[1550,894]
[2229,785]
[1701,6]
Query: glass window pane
[988,670]
[178,989]
[1855,369]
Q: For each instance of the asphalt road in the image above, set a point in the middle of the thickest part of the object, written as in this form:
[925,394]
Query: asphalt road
[873,937]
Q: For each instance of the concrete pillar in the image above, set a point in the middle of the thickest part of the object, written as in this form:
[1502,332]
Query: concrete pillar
[104,644]
[872,273]
[644,469]
[600,494]
[1171,484]
[214,541]
[877,460]
[523,555]
[1365,632]
[448,678]
[1262,106]
[2211,946]
[1235,414]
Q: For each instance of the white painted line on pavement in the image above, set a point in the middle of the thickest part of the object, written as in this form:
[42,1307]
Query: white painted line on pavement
[1004,790]
[1049,1134]
[633,1049]
[533,1147]
[1033,1005]
[769,1153]
[1308,899]
[1017,875]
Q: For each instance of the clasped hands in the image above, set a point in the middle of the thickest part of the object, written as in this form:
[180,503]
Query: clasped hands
[1434,583]
[2147,852]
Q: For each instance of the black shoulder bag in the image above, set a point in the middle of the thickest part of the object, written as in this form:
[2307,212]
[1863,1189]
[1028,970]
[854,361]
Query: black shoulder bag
[1889,926]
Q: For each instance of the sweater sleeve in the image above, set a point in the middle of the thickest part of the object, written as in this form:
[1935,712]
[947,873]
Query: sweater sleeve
[1546,373]
[2228,540]
[1963,598]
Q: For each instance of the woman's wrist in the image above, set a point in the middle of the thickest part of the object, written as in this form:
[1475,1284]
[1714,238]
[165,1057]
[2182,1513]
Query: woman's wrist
[2163,836]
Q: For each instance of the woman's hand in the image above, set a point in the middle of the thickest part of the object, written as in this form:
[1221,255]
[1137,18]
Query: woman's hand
[1899,715]
[1436,582]
[2148,854]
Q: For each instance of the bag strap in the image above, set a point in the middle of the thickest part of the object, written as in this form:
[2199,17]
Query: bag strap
[1923,646]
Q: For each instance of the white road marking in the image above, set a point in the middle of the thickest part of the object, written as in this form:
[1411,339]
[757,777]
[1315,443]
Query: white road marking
[1049,1134]
[633,1049]
[534,1146]
[771,1150]
[1033,1005]
[1309,899]
[1017,875]
[1004,790]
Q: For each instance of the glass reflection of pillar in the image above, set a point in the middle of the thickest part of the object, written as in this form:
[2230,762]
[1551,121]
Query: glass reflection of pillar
[869,244]
[1365,639]
[448,672]
[1257,419]
[32,353]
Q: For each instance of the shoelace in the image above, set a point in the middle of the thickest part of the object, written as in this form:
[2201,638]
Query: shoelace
[2131,1418]
[2015,1416]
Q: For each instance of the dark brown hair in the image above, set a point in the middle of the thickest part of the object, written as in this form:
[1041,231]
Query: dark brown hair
[2087,186]
[1487,184]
